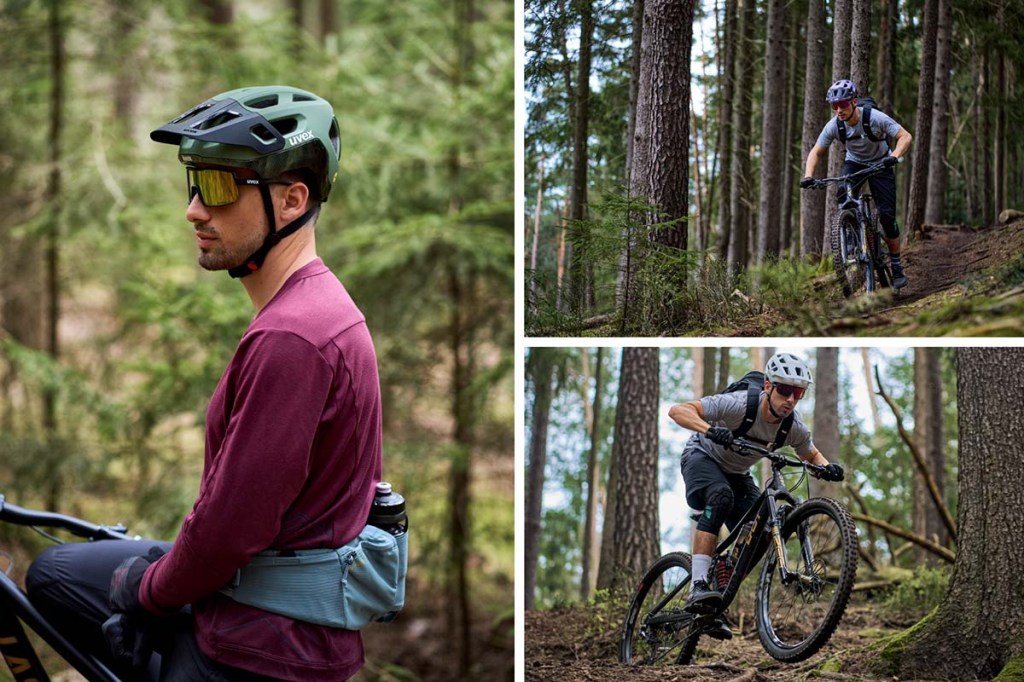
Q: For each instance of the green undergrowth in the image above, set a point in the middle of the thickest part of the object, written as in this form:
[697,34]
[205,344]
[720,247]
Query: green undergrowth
[914,598]
[1013,671]
[890,650]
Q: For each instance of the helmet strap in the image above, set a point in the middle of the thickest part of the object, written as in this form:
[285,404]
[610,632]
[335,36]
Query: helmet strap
[771,409]
[255,261]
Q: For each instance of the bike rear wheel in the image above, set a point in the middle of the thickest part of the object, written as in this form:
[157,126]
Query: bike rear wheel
[795,620]
[657,629]
[845,237]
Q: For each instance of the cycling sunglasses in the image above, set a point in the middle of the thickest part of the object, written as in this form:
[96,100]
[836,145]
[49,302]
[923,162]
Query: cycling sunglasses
[841,104]
[219,187]
[786,391]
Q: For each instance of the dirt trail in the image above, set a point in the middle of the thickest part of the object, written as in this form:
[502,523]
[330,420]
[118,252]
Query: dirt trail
[953,288]
[581,645]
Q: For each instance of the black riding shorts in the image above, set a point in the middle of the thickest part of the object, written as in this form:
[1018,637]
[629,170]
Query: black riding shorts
[706,482]
[883,189]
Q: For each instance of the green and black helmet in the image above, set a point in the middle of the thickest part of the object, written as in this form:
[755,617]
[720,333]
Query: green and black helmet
[270,129]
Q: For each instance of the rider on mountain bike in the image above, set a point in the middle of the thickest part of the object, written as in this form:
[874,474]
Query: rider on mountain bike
[718,480]
[863,149]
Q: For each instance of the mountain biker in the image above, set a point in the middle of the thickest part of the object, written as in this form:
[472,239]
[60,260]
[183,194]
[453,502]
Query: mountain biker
[293,429]
[863,151]
[718,481]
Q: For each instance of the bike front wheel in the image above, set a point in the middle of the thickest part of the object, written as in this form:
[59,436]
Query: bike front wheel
[657,629]
[844,233]
[797,617]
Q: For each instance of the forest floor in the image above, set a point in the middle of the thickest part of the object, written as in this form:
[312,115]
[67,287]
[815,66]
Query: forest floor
[963,282]
[581,644]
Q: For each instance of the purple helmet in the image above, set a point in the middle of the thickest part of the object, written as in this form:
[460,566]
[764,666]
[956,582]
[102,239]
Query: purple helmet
[840,90]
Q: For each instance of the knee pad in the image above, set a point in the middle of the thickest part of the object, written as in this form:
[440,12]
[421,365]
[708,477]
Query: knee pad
[718,504]
[889,226]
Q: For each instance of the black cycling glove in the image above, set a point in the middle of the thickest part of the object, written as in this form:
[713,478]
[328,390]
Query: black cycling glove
[720,435]
[833,472]
[123,593]
[890,161]
[807,182]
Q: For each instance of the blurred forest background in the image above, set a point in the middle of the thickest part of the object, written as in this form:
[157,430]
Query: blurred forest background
[574,413]
[706,110]
[112,338]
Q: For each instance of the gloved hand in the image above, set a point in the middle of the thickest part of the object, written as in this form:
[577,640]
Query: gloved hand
[890,161]
[807,182]
[123,593]
[833,472]
[129,643]
[720,435]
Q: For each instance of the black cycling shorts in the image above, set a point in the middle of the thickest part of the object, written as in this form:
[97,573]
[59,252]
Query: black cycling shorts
[703,476]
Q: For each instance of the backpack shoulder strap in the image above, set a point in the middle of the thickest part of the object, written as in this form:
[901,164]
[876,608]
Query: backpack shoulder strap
[783,433]
[842,131]
[753,400]
[866,113]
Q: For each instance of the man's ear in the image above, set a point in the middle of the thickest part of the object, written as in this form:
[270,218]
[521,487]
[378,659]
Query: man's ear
[294,201]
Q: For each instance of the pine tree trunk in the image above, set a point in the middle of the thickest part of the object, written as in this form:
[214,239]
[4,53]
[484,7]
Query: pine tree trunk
[826,408]
[540,367]
[580,281]
[999,155]
[591,547]
[842,25]
[708,377]
[636,541]
[934,205]
[536,234]
[623,276]
[772,133]
[860,47]
[740,164]
[886,56]
[727,81]
[923,122]
[812,204]
[789,151]
[723,369]
[977,628]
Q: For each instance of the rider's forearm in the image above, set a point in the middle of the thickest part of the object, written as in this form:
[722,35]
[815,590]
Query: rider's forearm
[902,143]
[689,416]
[815,457]
[812,162]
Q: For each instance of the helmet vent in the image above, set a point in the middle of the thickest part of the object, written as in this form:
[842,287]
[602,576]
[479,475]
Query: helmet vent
[218,120]
[285,125]
[302,98]
[263,134]
[262,102]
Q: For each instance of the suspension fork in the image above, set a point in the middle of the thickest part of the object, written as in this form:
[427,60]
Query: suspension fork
[775,528]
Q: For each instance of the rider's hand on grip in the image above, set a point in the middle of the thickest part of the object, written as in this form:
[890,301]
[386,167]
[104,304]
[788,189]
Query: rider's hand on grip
[128,642]
[833,472]
[890,161]
[720,435]
[807,182]
[123,593]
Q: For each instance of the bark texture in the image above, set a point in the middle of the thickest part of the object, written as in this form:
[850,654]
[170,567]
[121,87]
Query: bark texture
[826,408]
[580,271]
[727,69]
[636,541]
[740,163]
[923,122]
[935,201]
[591,546]
[842,25]
[928,434]
[772,133]
[541,369]
[979,625]
[812,204]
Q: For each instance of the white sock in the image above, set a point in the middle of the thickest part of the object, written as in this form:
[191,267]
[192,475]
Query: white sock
[701,565]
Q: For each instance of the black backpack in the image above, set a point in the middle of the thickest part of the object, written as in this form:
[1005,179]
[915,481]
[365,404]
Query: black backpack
[867,105]
[753,384]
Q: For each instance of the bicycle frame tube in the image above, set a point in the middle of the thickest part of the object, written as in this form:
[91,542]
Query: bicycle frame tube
[14,605]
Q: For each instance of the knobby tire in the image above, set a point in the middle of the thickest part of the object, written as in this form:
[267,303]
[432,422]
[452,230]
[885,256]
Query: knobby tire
[831,576]
[844,236]
[670,637]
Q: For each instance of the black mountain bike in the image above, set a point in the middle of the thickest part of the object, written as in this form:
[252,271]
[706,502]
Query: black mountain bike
[857,237]
[15,646]
[802,592]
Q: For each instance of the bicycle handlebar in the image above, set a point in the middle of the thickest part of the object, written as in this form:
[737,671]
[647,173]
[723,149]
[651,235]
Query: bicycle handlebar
[745,447]
[28,517]
[870,170]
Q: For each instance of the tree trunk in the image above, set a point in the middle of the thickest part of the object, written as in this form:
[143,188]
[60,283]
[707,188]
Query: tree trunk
[923,122]
[789,163]
[540,368]
[886,51]
[591,547]
[934,204]
[622,276]
[986,138]
[726,68]
[723,369]
[536,234]
[222,12]
[977,628]
[740,163]
[708,376]
[812,204]
[772,133]
[636,541]
[930,439]
[860,47]
[826,408]
[580,281]
[842,25]
[999,155]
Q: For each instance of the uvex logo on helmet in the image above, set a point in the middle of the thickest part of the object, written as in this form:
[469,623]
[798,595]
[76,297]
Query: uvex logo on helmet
[303,137]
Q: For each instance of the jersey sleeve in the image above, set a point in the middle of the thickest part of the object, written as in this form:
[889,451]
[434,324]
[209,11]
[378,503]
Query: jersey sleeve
[883,125]
[829,133]
[279,394]
[800,438]
[725,409]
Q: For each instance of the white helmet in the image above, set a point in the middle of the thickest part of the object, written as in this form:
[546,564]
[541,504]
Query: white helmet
[786,368]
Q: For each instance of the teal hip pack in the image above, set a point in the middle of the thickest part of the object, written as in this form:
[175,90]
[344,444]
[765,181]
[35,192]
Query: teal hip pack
[346,588]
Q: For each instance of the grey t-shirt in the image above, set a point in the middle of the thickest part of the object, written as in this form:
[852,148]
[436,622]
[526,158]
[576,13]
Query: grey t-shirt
[860,147]
[728,410]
